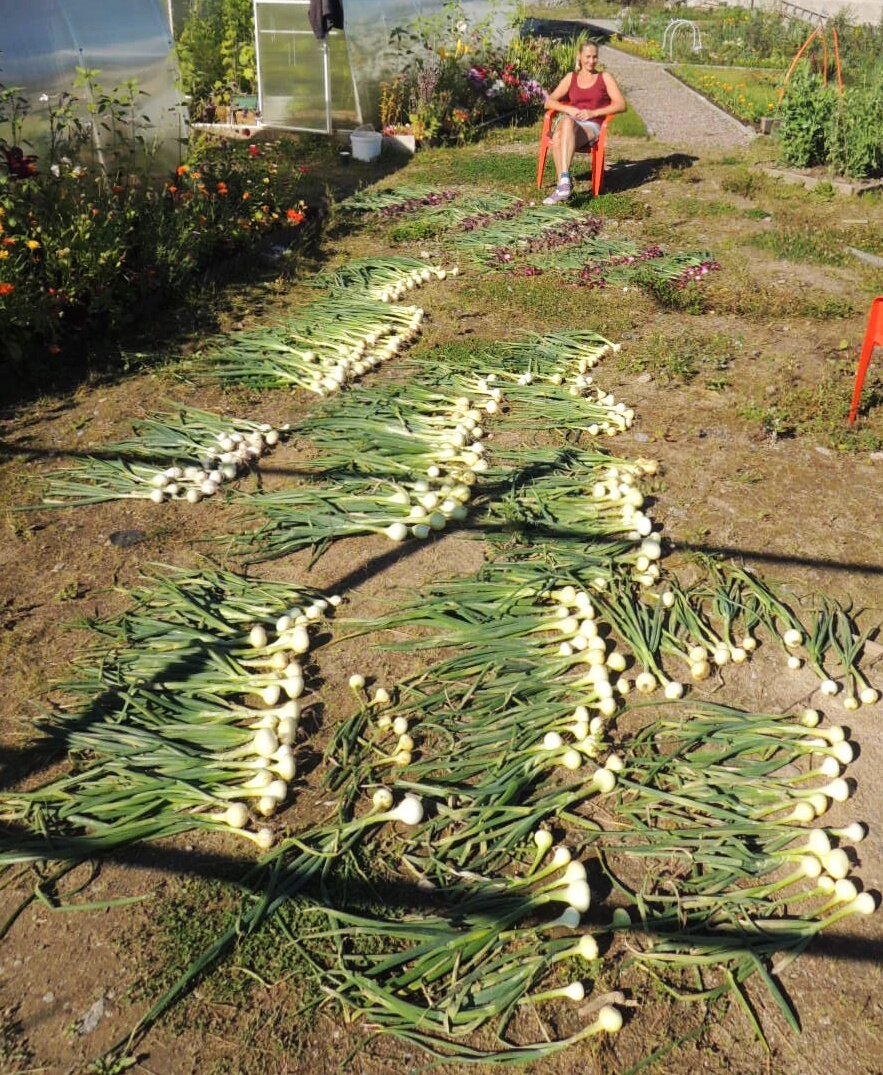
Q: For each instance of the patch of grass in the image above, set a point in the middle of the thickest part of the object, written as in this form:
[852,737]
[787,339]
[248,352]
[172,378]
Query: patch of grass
[616,206]
[473,164]
[745,182]
[511,303]
[688,299]
[819,307]
[412,231]
[15,1054]
[821,245]
[681,172]
[819,411]
[698,207]
[679,358]
[187,920]
[756,214]
[628,125]
[737,291]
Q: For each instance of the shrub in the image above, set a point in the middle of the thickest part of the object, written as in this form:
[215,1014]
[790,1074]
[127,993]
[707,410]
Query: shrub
[81,247]
[806,116]
[855,135]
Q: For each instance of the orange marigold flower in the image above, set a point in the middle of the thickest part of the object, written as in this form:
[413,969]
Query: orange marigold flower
[95,212]
[294,216]
[173,190]
[6,289]
[11,241]
[182,169]
[32,244]
[4,254]
[246,197]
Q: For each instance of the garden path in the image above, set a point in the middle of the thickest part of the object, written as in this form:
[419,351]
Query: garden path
[673,113]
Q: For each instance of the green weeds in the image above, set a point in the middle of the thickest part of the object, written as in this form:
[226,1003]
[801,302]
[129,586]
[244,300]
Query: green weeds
[678,357]
[821,245]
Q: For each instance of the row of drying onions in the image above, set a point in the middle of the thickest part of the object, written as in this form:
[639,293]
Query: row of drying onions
[454,459]
[365,352]
[396,290]
[236,454]
[277,658]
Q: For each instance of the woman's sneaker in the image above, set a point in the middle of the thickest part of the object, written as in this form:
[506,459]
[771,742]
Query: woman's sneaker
[560,194]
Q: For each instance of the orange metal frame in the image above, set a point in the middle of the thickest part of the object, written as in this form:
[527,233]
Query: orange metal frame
[822,36]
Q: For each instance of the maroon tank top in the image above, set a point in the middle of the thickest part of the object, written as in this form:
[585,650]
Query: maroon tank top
[596,96]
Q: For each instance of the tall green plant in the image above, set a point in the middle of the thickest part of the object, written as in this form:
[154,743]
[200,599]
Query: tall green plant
[216,50]
[855,135]
[806,116]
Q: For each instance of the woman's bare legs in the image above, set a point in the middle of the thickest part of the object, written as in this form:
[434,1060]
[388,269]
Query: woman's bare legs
[564,144]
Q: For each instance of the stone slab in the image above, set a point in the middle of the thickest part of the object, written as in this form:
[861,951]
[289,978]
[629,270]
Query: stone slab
[841,186]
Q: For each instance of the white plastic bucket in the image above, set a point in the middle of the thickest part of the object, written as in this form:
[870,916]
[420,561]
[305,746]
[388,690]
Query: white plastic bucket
[366,143]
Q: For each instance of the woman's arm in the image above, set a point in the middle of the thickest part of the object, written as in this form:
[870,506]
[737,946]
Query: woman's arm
[556,102]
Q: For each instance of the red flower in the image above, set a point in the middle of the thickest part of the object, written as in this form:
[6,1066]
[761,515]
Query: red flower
[294,216]
[6,289]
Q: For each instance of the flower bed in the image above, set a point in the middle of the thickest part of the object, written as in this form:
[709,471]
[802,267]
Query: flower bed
[77,245]
[749,95]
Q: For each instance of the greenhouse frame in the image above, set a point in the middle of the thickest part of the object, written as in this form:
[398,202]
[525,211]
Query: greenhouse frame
[332,83]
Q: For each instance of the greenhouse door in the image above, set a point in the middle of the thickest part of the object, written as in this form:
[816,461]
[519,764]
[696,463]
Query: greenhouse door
[293,67]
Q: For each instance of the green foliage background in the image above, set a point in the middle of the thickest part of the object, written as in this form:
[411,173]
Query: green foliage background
[215,46]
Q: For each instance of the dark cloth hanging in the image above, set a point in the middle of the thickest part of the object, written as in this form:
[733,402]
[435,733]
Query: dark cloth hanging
[325,15]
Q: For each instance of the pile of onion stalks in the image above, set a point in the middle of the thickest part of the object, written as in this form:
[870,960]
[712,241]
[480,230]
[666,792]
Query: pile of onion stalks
[388,279]
[559,360]
[470,212]
[332,344]
[536,403]
[186,713]
[400,462]
[398,201]
[718,803]
[186,455]
[538,227]
[612,262]
[722,809]
[722,620]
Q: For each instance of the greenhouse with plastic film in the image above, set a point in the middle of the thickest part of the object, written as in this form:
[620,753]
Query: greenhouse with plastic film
[44,44]
[320,63]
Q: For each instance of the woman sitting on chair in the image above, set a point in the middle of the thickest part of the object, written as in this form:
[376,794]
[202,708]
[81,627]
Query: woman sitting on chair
[582,98]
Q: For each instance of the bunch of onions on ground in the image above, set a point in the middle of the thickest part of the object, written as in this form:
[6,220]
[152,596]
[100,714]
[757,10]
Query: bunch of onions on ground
[200,692]
[398,201]
[402,462]
[333,343]
[187,455]
[388,279]
[500,241]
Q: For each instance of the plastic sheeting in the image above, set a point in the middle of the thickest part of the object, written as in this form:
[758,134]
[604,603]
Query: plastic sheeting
[308,84]
[43,42]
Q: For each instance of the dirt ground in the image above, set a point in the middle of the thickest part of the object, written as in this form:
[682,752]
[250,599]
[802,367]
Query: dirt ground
[799,510]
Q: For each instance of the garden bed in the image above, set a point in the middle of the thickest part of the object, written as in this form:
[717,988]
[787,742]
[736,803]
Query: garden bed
[755,388]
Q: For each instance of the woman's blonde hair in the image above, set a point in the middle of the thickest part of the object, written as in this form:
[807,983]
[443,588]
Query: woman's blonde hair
[584,45]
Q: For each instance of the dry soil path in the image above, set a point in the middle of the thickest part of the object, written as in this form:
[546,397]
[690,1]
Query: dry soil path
[673,114]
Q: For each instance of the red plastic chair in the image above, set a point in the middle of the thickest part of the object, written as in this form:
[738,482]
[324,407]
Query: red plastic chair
[596,149]
[873,338]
